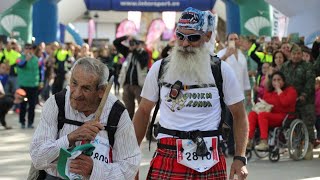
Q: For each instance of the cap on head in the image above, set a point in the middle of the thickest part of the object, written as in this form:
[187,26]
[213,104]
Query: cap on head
[195,19]
[296,48]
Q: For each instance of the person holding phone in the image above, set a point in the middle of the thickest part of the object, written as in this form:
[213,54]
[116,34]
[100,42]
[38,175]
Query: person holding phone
[238,62]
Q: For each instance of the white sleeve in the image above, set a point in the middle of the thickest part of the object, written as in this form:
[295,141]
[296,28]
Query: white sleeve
[150,89]
[45,146]
[221,53]
[246,81]
[231,88]
[126,154]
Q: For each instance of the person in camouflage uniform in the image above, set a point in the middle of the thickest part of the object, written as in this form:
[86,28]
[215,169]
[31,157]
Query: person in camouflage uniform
[301,75]
[316,66]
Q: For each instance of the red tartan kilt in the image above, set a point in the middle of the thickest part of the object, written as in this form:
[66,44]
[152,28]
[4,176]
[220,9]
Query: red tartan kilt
[165,166]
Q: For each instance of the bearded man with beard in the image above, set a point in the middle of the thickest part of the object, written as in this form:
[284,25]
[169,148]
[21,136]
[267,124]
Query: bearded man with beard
[189,135]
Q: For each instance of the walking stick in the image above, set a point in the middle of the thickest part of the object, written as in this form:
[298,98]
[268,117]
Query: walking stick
[104,99]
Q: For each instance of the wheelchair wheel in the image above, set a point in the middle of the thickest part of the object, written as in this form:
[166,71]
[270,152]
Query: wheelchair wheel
[248,154]
[259,154]
[298,140]
[274,156]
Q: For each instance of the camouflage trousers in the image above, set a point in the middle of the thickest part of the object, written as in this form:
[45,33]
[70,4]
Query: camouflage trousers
[307,114]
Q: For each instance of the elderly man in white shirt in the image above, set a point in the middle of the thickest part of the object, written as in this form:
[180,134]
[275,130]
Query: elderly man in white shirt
[82,98]
[238,62]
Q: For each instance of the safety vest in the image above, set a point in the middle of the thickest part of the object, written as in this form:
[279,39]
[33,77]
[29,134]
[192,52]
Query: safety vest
[11,56]
[264,58]
[61,55]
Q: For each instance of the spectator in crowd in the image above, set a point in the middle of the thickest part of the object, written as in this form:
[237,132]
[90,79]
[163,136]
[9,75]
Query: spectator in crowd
[278,59]
[307,55]
[260,85]
[118,59]
[316,48]
[236,59]
[317,109]
[134,71]
[28,80]
[4,73]
[251,47]
[85,51]
[6,102]
[285,48]
[275,42]
[11,56]
[49,72]
[283,98]
[61,56]
[105,58]
[301,76]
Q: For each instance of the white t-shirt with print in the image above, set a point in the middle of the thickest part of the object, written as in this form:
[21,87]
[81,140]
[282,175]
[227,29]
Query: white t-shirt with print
[193,109]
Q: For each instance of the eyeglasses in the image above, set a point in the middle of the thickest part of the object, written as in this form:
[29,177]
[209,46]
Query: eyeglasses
[190,37]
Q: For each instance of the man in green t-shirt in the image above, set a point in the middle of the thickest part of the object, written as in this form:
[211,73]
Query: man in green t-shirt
[28,80]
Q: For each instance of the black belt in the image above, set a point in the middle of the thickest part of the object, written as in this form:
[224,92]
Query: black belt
[187,134]
[173,147]
[166,146]
[186,87]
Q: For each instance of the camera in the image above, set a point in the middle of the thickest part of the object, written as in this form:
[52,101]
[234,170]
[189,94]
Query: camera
[133,42]
[175,90]
[202,149]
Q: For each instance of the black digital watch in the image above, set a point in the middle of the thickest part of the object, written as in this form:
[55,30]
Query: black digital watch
[242,159]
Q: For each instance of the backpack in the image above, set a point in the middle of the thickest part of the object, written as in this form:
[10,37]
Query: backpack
[113,118]
[111,127]
[224,128]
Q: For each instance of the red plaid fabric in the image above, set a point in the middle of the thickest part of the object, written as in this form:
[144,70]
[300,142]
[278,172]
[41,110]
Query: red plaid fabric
[165,166]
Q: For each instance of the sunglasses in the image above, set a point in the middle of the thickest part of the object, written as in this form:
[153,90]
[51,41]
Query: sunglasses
[190,37]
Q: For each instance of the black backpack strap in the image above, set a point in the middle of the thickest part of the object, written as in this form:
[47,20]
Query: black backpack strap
[216,71]
[60,100]
[113,120]
[155,112]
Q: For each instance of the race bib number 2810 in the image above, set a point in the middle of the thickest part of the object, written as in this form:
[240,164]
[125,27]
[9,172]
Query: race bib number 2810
[187,156]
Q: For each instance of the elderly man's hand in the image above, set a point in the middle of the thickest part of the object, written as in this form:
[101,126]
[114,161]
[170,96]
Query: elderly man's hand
[82,165]
[87,132]
[239,169]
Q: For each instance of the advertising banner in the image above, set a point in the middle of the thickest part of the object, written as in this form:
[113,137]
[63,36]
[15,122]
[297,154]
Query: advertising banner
[149,5]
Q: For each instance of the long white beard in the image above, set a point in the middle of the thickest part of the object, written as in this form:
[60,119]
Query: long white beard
[189,65]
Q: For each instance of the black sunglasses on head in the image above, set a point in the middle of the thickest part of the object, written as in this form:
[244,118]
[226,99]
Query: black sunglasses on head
[190,37]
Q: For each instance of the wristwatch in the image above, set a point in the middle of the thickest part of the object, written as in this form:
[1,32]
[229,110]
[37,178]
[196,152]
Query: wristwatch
[242,159]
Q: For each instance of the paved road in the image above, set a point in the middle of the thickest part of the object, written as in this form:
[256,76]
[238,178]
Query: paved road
[15,159]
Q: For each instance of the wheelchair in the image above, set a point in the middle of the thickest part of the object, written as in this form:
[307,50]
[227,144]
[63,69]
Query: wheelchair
[292,135]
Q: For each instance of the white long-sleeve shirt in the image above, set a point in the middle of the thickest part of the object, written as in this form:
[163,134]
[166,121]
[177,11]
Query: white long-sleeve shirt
[45,145]
[239,66]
